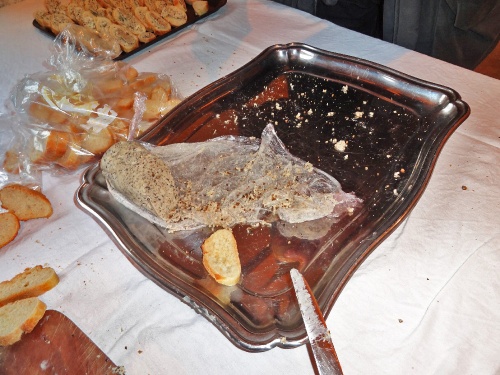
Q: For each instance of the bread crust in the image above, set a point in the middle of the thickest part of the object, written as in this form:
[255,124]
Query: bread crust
[19,317]
[9,228]
[221,258]
[24,202]
[32,282]
[174,15]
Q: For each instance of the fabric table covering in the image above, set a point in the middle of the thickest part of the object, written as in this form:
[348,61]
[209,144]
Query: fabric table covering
[426,301]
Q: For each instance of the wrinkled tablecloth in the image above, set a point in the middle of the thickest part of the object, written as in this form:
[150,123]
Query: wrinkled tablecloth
[426,301]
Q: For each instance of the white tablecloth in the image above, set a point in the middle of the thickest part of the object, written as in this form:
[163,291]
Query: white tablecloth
[426,301]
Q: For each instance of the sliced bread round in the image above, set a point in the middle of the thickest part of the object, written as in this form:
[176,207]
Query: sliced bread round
[19,317]
[33,282]
[9,227]
[221,258]
[24,202]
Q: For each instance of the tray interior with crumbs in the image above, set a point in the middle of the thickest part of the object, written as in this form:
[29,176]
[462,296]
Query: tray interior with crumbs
[376,130]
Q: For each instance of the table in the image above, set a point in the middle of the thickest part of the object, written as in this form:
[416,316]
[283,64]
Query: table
[426,301]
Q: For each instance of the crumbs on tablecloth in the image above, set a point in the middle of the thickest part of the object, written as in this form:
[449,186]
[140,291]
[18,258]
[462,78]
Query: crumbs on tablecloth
[118,370]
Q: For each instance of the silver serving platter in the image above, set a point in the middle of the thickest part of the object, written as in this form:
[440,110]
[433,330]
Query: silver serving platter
[395,126]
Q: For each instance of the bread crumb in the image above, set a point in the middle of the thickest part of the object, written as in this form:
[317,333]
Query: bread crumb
[340,145]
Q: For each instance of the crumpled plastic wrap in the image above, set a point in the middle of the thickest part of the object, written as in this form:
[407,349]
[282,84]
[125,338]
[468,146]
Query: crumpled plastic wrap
[15,168]
[68,116]
[239,180]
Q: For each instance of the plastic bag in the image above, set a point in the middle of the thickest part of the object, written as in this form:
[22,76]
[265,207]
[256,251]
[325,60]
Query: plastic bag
[71,114]
[226,181]
[15,167]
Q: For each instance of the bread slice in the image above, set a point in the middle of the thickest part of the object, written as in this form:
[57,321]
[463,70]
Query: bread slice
[178,3]
[128,20]
[98,143]
[151,5]
[59,22]
[147,37]
[19,317]
[221,258]
[43,18]
[87,19]
[24,202]
[157,23]
[12,162]
[140,13]
[74,12]
[9,227]
[52,6]
[174,15]
[55,144]
[33,282]
[200,7]
[127,40]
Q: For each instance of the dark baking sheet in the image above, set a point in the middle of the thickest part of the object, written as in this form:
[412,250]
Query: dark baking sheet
[395,126]
[213,6]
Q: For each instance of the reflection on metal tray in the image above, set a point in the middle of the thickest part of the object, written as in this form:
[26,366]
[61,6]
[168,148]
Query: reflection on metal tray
[213,6]
[394,126]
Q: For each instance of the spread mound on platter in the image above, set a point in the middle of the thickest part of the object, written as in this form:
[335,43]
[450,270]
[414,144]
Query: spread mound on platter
[222,182]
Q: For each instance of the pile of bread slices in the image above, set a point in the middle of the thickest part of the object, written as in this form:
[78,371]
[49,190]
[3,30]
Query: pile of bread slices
[20,203]
[129,22]
[20,307]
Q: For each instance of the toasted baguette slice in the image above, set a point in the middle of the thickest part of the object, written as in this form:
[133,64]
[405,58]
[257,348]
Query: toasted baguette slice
[140,13]
[151,5]
[52,6]
[52,143]
[220,257]
[24,202]
[178,3]
[102,25]
[19,317]
[87,19]
[92,6]
[9,227]
[157,23]
[98,143]
[75,155]
[59,22]
[127,40]
[147,37]
[74,12]
[200,7]
[174,15]
[128,20]
[33,282]
[43,18]
[12,162]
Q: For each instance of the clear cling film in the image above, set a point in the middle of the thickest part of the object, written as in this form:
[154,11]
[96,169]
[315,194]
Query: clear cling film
[68,116]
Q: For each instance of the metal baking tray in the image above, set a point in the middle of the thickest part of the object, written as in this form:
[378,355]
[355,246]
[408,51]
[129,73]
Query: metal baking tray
[395,126]
[213,6]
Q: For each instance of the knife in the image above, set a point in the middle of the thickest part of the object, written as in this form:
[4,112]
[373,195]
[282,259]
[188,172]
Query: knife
[317,331]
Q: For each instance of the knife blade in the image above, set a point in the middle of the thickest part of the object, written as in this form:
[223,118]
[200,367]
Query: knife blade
[317,331]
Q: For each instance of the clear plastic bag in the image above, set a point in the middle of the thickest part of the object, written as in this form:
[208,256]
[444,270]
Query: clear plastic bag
[15,166]
[72,113]
[226,181]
